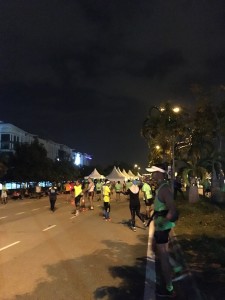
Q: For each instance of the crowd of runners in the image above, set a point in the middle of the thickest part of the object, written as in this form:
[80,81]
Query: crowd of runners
[83,194]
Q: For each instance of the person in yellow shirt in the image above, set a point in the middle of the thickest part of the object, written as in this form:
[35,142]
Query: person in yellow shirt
[106,198]
[78,193]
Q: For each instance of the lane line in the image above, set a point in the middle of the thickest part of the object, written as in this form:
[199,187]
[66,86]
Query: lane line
[20,213]
[3,217]
[9,245]
[35,209]
[50,227]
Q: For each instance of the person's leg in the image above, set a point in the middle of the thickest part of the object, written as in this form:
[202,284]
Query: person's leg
[77,204]
[74,203]
[105,210]
[91,195]
[51,204]
[137,211]
[163,254]
[107,207]
[132,212]
[117,196]
[161,243]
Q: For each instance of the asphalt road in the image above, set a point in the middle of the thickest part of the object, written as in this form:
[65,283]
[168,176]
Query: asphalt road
[45,255]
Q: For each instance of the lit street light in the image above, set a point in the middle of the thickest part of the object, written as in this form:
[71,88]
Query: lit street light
[136,168]
[170,122]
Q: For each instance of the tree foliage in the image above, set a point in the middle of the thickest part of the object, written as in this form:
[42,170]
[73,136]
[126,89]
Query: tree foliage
[196,135]
[30,163]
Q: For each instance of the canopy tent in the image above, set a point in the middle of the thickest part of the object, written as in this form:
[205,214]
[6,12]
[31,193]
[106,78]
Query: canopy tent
[121,173]
[95,175]
[132,176]
[139,175]
[125,174]
[116,176]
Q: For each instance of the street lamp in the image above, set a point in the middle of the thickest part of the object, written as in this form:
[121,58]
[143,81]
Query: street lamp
[169,120]
[136,168]
[176,110]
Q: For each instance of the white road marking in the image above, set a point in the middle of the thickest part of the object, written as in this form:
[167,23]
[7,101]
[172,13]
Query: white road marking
[3,217]
[73,217]
[20,213]
[46,205]
[50,227]
[150,276]
[9,245]
[35,209]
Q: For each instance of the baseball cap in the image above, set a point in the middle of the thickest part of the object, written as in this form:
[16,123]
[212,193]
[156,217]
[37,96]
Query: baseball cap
[155,169]
[107,182]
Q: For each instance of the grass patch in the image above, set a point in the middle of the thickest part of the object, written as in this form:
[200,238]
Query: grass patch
[201,233]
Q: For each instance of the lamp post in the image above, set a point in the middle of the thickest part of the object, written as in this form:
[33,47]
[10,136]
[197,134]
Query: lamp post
[136,168]
[167,115]
[175,110]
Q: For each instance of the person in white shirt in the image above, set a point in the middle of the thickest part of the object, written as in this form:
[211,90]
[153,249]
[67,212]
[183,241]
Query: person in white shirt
[91,189]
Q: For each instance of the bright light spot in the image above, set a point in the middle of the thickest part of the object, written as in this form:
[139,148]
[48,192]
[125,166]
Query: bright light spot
[77,159]
[176,109]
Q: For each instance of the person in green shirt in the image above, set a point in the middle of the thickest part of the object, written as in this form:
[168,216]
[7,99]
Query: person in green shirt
[118,189]
[165,214]
[98,188]
[148,198]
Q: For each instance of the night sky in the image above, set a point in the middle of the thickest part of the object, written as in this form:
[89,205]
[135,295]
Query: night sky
[84,73]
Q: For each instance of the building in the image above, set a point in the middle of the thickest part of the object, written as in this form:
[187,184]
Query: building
[10,135]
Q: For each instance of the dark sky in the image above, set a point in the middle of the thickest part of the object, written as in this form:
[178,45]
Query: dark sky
[84,73]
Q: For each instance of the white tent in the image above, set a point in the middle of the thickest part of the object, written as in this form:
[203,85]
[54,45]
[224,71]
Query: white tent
[121,173]
[125,174]
[95,175]
[139,175]
[132,176]
[116,176]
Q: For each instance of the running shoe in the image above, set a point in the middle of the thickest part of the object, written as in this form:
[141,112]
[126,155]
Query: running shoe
[165,293]
[177,269]
[92,207]
[133,228]
[145,224]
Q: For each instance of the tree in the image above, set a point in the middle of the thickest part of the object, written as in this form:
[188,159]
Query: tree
[194,137]
[30,163]
[165,130]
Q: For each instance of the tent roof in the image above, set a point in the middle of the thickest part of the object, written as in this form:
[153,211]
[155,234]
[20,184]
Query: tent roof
[121,173]
[115,175]
[139,175]
[125,174]
[96,175]
[131,174]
